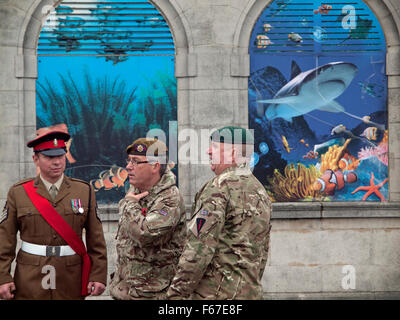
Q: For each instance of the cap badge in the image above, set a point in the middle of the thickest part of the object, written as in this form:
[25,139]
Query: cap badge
[55,142]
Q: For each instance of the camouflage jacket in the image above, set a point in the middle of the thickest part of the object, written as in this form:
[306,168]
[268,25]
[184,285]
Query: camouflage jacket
[150,239]
[228,238]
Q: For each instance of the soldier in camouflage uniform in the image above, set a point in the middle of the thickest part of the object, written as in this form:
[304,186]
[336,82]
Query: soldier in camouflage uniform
[228,234]
[152,225]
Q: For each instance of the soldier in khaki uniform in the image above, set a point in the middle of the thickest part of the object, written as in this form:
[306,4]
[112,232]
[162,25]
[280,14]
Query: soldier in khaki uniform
[228,237]
[47,267]
[152,228]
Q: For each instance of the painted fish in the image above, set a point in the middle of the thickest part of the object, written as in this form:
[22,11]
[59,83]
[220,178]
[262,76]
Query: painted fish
[267,27]
[348,162]
[323,9]
[118,175]
[366,119]
[370,133]
[330,181]
[96,184]
[338,129]
[311,155]
[281,7]
[107,180]
[373,89]
[263,41]
[314,89]
[286,144]
[295,37]
[111,178]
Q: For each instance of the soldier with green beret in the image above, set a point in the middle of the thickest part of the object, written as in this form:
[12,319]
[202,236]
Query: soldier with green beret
[228,234]
[151,227]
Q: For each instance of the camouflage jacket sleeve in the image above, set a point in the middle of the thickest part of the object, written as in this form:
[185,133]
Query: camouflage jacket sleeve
[163,215]
[265,252]
[8,238]
[203,232]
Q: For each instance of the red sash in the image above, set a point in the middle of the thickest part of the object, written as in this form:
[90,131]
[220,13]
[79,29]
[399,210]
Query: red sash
[63,229]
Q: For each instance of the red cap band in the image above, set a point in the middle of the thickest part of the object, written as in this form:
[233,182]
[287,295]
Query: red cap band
[53,144]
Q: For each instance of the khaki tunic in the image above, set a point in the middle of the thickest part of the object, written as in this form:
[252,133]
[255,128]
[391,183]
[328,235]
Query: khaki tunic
[149,246]
[228,240]
[19,214]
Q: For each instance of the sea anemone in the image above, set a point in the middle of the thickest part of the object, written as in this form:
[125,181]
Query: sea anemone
[380,151]
[295,185]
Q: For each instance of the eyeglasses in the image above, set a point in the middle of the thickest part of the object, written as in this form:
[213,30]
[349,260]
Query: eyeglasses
[134,162]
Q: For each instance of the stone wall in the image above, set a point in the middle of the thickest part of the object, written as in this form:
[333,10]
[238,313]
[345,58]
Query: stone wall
[310,243]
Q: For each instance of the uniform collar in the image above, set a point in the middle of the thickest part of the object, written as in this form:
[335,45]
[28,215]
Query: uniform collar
[49,184]
[242,169]
[167,180]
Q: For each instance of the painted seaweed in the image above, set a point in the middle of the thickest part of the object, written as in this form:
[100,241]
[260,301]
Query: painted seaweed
[103,116]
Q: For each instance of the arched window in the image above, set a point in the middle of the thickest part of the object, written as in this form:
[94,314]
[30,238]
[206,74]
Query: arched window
[105,74]
[318,101]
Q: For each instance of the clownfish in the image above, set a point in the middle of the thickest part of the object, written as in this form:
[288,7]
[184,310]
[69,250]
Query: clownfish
[330,181]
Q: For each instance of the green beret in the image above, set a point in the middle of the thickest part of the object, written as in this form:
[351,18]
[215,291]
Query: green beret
[141,146]
[232,135]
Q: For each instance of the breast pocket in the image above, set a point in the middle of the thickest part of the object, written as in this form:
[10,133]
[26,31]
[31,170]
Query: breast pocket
[28,219]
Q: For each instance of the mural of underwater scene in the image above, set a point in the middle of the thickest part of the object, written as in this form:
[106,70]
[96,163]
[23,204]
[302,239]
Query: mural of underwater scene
[106,76]
[318,102]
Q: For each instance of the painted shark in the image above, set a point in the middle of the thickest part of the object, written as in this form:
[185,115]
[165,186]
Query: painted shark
[314,89]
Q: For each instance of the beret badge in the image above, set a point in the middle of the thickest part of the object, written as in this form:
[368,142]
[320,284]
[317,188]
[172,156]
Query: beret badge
[140,148]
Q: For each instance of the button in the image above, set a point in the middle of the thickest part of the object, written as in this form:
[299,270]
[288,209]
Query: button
[54,236]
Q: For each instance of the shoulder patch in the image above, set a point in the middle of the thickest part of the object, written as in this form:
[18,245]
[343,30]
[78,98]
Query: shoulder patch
[199,224]
[23,181]
[4,213]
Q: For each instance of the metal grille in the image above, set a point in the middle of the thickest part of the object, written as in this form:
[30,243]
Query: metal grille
[105,28]
[317,27]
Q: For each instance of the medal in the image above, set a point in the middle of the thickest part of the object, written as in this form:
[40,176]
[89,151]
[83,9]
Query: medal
[77,206]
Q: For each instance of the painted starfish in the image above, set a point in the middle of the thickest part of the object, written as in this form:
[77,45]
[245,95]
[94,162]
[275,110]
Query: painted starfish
[372,188]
